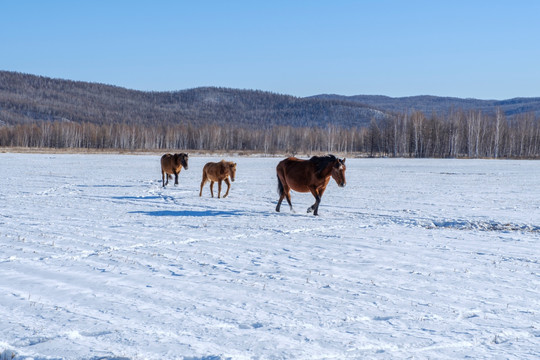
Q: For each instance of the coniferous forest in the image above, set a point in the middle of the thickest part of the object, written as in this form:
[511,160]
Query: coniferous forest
[40,112]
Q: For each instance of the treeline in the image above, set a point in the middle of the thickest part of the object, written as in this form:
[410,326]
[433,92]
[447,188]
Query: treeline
[469,134]
[183,137]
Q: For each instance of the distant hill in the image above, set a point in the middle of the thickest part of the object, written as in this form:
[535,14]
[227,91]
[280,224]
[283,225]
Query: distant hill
[28,98]
[440,105]
[41,112]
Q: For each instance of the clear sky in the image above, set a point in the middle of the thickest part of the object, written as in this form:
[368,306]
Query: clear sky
[473,48]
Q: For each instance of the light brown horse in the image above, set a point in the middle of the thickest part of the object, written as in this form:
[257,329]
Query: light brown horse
[220,171]
[310,175]
[172,164]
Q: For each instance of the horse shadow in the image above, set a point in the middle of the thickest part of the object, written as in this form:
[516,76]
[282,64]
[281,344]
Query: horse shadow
[192,213]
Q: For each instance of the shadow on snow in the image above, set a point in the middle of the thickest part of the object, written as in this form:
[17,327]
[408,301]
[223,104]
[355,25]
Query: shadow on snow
[191,213]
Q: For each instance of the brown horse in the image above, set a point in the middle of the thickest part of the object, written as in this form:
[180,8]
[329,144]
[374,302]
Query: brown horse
[310,175]
[220,171]
[172,164]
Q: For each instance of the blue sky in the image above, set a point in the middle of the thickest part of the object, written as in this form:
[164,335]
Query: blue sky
[479,49]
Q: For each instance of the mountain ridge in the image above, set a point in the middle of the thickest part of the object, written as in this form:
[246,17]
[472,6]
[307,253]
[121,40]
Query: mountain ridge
[441,105]
[27,98]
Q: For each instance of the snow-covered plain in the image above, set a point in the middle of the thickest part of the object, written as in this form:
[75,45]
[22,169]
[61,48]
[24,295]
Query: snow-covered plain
[412,259]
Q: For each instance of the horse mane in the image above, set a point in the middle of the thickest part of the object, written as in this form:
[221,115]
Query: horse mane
[321,162]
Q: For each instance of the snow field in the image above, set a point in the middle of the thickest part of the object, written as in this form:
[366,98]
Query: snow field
[413,258]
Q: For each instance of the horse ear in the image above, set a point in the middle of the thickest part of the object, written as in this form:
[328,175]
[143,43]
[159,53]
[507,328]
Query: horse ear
[343,161]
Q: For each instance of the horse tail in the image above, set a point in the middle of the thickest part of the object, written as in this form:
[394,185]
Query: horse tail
[280,186]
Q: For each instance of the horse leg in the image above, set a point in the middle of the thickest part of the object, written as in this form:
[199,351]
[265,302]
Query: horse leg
[175,178]
[284,195]
[320,192]
[204,179]
[315,206]
[281,196]
[283,190]
[288,197]
[219,189]
[212,188]
[228,187]
[163,177]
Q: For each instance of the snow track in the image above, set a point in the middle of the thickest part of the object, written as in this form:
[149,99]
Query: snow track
[414,258]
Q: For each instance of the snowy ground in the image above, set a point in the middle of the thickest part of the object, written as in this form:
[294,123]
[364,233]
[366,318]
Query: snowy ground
[413,259]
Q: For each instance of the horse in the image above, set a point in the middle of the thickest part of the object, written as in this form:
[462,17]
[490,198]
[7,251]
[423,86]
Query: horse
[172,164]
[310,175]
[220,171]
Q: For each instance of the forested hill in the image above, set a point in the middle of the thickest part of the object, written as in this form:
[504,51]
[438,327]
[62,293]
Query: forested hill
[441,106]
[41,112]
[28,98]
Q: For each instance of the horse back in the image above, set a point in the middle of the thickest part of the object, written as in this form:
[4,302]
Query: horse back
[168,165]
[215,171]
[296,173]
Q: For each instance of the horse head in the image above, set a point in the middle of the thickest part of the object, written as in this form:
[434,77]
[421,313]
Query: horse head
[338,172]
[181,159]
[232,170]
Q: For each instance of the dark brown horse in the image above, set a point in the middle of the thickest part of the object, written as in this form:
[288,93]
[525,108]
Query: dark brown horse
[310,175]
[220,171]
[172,164]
